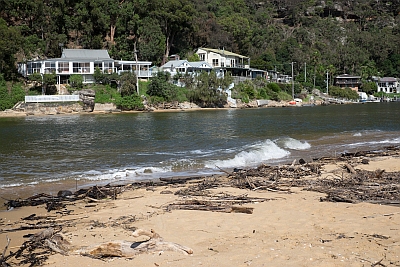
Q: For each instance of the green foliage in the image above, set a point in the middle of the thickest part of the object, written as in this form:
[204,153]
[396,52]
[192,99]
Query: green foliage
[106,94]
[274,87]
[160,86]
[247,91]
[143,87]
[369,87]
[98,76]
[8,98]
[345,93]
[76,81]
[10,43]
[273,34]
[17,93]
[130,102]
[49,81]
[206,91]
[193,57]
[35,77]
[128,84]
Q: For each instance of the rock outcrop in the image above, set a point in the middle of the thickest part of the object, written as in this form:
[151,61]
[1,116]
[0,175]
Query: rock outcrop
[87,98]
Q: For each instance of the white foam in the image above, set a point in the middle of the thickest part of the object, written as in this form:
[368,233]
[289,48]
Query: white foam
[126,174]
[257,154]
[295,144]
[381,142]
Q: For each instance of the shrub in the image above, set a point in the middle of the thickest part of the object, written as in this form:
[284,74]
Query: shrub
[274,87]
[76,81]
[128,84]
[131,102]
[346,93]
[9,98]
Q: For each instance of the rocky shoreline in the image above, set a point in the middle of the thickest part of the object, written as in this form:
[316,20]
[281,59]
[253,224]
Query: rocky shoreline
[89,107]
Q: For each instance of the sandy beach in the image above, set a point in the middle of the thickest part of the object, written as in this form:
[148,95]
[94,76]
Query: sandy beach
[287,227]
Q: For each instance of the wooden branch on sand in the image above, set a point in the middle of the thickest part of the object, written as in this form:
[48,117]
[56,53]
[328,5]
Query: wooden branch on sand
[350,168]
[121,248]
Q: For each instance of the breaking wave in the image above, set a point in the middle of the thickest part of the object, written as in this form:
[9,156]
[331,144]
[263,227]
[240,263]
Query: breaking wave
[293,144]
[254,155]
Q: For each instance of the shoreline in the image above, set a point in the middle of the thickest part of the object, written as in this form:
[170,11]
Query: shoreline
[288,221]
[9,113]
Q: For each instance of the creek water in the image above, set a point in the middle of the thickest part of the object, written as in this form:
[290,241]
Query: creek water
[37,152]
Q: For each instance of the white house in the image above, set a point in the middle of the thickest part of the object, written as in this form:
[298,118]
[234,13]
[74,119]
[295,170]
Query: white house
[184,66]
[218,58]
[83,62]
[388,85]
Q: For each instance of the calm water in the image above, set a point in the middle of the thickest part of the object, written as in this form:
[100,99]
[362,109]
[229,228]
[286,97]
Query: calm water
[120,148]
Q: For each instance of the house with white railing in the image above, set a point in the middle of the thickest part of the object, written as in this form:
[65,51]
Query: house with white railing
[183,66]
[223,61]
[388,85]
[83,62]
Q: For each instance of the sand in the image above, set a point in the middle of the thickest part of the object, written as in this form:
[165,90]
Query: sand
[290,229]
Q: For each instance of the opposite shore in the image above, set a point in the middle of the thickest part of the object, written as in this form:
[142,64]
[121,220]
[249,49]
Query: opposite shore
[42,109]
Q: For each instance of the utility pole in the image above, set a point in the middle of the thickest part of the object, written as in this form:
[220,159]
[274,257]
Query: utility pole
[305,72]
[137,71]
[292,81]
[327,77]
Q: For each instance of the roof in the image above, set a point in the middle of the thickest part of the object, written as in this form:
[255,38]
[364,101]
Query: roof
[130,62]
[223,52]
[200,64]
[85,54]
[347,76]
[174,63]
[387,79]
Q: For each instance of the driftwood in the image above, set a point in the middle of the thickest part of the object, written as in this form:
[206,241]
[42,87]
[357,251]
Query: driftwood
[37,249]
[207,206]
[122,248]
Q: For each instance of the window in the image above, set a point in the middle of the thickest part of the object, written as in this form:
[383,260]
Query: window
[215,62]
[108,67]
[202,57]
[81,67]
[49,67]
[63,67]
[98,65]
[33,67]
[126,67]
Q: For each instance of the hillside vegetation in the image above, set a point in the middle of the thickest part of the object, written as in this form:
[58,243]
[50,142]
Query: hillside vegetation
[356,37]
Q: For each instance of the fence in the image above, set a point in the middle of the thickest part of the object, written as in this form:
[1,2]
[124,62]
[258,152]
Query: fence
[51,98]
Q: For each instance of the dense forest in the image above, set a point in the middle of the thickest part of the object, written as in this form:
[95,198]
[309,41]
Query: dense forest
[341,36]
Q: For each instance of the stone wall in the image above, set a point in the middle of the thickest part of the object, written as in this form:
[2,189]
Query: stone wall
[86,104]
[51,108]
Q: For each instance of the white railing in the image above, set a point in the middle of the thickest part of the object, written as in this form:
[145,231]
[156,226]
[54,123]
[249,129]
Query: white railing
[51,98]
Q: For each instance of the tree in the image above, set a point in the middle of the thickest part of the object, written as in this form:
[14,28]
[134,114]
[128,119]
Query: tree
[128,84]
[151,40]
[174,17]
[98,75]
[207,91]
[49,81]
[193,57]
[10,41]
[76,81]
[8,98]
[159,86]
[369,87]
